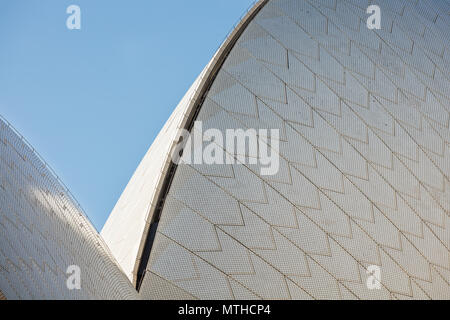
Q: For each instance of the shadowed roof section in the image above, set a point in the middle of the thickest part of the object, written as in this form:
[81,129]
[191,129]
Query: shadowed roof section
[127,228]
[45,235]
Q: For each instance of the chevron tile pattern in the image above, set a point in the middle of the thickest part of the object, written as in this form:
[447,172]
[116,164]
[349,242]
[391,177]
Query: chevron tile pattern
[43,232]
[364,153]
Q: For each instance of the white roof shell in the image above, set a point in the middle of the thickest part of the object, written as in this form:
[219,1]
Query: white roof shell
[365,175]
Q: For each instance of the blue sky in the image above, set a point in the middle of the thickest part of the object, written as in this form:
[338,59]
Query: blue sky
[91,101]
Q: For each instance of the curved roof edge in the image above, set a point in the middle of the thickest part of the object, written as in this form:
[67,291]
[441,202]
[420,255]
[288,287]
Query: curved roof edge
[128,227]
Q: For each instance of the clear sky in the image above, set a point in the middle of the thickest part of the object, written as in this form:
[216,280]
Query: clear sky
[91,101]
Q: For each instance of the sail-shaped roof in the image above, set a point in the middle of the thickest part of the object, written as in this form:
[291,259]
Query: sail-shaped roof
[364,168]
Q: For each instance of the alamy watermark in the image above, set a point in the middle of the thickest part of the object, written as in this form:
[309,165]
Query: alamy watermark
[374,20]
[73,281]
[250,146]
[374,278]
[73,22]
